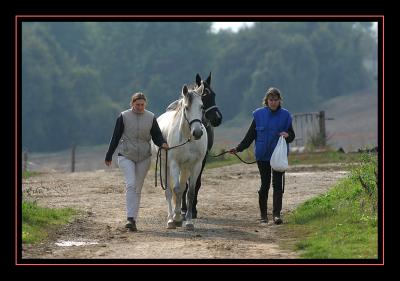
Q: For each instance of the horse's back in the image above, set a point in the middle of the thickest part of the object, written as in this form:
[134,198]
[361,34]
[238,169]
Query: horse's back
[164,121]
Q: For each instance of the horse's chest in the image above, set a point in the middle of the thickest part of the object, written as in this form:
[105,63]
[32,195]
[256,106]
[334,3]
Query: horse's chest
[190,154]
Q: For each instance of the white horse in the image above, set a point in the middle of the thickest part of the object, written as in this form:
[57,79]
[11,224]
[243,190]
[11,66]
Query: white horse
[184,162]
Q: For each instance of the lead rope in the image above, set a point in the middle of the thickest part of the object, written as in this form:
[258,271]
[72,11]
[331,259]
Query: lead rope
[283,174]
[166,168]
[235,155]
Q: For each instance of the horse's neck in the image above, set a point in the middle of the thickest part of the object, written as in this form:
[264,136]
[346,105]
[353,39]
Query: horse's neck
[210,136]
[205,121]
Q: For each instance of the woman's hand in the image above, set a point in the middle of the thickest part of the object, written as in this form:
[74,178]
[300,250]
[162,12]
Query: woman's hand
[284,134]
[165,146]
[232,150]
[108,163]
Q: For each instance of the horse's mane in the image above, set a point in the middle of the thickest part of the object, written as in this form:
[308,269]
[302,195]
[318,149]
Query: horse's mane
[192,87]
[179,105]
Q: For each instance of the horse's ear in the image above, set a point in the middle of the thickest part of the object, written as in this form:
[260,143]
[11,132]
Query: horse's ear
[198,79]
[185,90]
[208,80]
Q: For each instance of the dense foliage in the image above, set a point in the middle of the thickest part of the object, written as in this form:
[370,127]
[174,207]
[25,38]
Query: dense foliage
[78,76]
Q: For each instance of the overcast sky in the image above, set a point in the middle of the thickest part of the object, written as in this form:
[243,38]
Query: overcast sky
[229,25]
[236,25]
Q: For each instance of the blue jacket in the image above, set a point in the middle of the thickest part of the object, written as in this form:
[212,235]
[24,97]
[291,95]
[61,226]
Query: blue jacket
[268,126]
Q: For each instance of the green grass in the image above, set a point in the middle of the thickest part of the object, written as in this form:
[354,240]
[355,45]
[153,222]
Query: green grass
[228,159]
[323,157]
[310,158]
[28,174]
[38,222]
[341,224]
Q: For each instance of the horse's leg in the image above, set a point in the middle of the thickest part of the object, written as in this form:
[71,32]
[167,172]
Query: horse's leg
[210,142]
[176,193]
[184,207]
[197,188]
[168,196]
[190,195]
[183,177]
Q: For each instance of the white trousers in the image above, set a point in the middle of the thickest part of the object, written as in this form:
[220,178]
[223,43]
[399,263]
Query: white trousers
[134,173]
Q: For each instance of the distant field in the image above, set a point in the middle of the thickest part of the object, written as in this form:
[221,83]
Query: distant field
[355,123]
[87,158]
[354,126]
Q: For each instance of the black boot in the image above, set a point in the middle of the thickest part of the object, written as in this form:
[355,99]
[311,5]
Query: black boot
[277,204]
[131,224]
[277,196]
[262,201]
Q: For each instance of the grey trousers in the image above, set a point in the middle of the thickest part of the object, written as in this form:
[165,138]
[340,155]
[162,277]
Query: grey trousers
[135,173]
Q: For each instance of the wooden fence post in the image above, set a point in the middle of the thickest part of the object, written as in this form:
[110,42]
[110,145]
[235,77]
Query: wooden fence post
[25,166]
[73,158]
[322,130]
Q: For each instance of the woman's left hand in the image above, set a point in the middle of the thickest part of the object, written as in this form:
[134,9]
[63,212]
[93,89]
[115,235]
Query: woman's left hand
[284,134]
[165,146]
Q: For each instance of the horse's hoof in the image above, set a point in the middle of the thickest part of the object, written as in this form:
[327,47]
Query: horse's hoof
[171,225]
[178,223]
[189,226]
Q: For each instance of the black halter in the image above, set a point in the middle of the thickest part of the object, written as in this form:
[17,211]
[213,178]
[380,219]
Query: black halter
[209,108]
[191,122]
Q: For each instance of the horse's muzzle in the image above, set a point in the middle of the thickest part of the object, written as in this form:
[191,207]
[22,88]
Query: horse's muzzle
[216,122]
[197,134]
[215,117]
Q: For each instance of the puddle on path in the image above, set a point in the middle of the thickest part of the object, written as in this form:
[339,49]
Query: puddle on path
[65,243]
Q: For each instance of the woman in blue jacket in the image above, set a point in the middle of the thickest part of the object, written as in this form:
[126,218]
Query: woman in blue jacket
[269,123]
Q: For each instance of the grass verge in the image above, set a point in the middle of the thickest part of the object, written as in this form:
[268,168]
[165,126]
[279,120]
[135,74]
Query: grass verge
[38,222]
[308,158]
[341,224]
[28,174]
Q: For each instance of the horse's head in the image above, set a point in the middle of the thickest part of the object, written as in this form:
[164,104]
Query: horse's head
[211,110]
[193,109]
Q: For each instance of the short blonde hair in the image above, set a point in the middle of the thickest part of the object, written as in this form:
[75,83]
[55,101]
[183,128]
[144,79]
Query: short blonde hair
[138,96]
[272,92]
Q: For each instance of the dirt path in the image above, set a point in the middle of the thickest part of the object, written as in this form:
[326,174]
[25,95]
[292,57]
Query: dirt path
[226,227]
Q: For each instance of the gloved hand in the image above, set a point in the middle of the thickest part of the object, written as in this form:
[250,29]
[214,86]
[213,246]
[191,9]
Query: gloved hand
[232,150]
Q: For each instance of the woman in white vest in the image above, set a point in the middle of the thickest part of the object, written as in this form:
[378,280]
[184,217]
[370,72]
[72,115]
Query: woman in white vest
[133,131]
[269,123]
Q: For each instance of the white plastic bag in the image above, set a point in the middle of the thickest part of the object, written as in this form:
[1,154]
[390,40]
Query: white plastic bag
[279,159]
